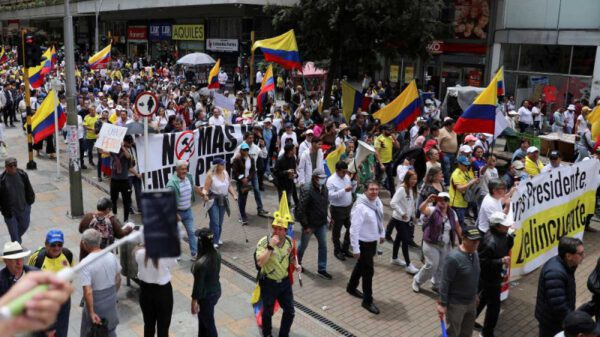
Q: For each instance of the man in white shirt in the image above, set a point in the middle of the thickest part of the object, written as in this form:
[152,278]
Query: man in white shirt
[222,78]
[216,119]
[492,203]
[366,230]
[569,118]
[554,162]
[305,145]
[310,160]
[340,188]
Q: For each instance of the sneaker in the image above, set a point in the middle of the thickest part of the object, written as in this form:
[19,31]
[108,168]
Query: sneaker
[411,269]
[216,246]
[398,262]
[340,256]
[415,285]
[220,242]
[262,212]
[324,274]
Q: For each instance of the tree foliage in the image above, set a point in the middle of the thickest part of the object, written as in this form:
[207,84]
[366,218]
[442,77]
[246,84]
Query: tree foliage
[351,34]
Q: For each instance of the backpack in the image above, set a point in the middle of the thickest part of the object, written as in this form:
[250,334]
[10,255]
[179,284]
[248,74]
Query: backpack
[299,214]
[104,226]
[39,261]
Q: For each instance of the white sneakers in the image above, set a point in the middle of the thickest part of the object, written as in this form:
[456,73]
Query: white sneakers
[415,285]
[398,262]
[411,269]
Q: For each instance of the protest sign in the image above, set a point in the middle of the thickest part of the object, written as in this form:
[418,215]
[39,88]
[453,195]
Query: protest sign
[110,137]
[199,147]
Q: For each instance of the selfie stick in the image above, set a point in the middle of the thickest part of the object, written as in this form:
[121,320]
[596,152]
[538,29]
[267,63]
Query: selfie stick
[16,307]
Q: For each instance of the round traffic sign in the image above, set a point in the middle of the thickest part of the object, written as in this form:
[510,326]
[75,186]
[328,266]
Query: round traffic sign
[146,104]
[185,145]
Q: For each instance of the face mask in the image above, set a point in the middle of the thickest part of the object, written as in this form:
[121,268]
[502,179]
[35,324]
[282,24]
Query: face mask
[322,181]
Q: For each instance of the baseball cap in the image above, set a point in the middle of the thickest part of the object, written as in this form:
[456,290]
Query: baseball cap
[309,132]
[319,172]
[55,235]
[571,107]
[463,160]
[554,154]
[470,138]
[244,146]
[518,165]
[220,161]
[10,161]
[578,322]
[444,195]
[465,149]
[472,233]
[532,149]
[267,120]
[499,218]
[288,125]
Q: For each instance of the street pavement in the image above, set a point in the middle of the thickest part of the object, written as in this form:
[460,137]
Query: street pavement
[327,310]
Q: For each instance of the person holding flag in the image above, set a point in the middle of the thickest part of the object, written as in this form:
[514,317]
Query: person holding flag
[213,76]
[274,254]
[268,84]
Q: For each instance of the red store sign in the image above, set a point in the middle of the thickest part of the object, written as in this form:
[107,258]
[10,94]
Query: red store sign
[137,33]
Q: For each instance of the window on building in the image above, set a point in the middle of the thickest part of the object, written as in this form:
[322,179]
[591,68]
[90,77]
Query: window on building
[545,58]
[510,56]
[583,60]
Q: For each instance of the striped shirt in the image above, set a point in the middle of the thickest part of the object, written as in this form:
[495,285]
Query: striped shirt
[185,194]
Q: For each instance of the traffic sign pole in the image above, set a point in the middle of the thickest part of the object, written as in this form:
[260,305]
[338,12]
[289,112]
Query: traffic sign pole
[146,154]
[146,104]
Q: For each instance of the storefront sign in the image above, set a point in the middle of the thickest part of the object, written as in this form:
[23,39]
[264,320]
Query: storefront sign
[137,33]
[394,70]
[227,45]
[160,31]
[409,74]
[188,32]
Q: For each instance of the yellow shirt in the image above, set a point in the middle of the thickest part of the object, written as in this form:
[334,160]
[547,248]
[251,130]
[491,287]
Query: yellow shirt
[531,168]
[458,178]
[90,121]
[50,264]
[384,146]
[113,118]
[277,266]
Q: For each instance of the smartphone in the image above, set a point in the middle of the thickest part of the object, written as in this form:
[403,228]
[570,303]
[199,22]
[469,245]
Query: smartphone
[159,217]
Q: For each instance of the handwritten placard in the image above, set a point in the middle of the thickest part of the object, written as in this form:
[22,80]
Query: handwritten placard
[110,137]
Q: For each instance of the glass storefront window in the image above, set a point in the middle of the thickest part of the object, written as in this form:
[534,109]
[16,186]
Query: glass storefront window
[510,56]
[583,60]
[545,58]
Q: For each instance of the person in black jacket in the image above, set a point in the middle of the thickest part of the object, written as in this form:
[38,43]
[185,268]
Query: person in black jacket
[241,164]
[16,198]
[285,172]
[494,260]
[314,202]
[207,287]
[556,286]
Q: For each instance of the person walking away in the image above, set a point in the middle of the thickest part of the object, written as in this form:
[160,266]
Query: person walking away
[458,286]
[309,161]
[313,219]
[91,134]
[556,286]
[494,261]
[156,292]
[340,188]
[461,180]
[101,282]
[273,257]
[16,198]
[403,217]
[207,287]
[441,230]
[216,186]
[385,145]
[182,184]
[366,230]
[54,257]
[119,179]
[285,173]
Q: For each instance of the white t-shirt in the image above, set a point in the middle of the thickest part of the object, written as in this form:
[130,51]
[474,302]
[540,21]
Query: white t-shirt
[489,205]
[525,115]
[102,273]
[490,173]
[149,274]
[219,121]
[583,126]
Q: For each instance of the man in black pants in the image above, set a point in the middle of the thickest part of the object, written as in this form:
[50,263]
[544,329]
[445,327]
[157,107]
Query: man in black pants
[8,110]
[494,260]
[365,230]
[119,180]
[340,187]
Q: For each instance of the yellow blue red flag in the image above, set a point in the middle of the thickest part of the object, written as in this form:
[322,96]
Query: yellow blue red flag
[332,158]
[281,49]
[403,110]
[268,84]
[480,116]
[100,59]
[213,76]
[42,122]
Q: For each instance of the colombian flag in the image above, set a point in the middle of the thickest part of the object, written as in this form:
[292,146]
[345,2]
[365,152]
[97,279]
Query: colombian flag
[281,49]
[332,158]
[42,122]
[100,59]
[47,63]
[36,77]
[403,110]
[352,99]
[213,76]
[54,56]
[500,76]
[481,115]
[3,56]
[593,119]
[268,84]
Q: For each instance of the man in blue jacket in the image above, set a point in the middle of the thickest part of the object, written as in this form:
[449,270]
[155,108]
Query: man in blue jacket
[556,287]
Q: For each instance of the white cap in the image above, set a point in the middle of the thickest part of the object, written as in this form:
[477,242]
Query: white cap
[267,120]
[518,165]
[499,218]
[465,149]
[428,101]
[571,107]
[309,131]
[532,149]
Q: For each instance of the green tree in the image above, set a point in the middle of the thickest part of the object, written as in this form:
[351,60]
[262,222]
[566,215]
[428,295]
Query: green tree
[348,36]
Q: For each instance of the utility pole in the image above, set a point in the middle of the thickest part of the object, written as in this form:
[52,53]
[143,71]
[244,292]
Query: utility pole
[74,164]
[97,7]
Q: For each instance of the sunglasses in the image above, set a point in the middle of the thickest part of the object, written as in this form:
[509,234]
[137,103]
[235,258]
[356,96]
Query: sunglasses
[56,244]
[11,165]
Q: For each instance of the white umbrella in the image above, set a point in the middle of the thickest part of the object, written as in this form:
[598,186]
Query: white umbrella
[196,59]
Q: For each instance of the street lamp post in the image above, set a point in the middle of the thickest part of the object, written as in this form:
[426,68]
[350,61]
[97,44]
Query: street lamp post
[97,7]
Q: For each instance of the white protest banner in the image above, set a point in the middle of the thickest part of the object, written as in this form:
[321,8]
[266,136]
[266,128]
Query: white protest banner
[110,137]
[199,147]
[548,207]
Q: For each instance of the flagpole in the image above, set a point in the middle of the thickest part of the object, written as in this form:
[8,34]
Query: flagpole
[251,69]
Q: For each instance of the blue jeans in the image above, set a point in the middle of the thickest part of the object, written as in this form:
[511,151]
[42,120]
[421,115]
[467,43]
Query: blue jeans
[206,315]
[321,234]
[447,162]
[460,213]
[18,223]
[257,198]
[216,214]
[243,197]
[188,222]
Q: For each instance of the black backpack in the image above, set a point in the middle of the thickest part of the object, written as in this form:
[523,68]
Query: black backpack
[39,261]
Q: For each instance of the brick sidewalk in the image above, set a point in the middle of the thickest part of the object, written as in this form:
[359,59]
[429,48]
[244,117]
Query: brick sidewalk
[403,313]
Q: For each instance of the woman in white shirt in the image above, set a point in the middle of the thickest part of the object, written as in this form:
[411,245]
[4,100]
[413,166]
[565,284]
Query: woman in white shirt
[403,217]
[525,116]
[161,119]
[156,293]
[214,192]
